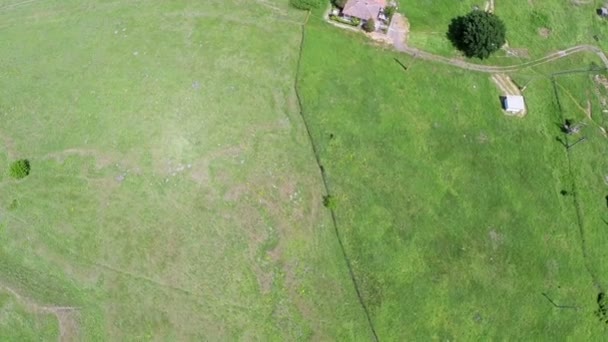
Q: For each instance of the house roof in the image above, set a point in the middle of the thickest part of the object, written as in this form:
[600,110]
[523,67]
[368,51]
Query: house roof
[514,103]
[364,9]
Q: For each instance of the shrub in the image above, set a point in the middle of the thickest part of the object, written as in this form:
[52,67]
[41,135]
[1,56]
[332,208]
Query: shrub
[20,169]
[352,22]
[389,11]
[329,202]
[369,25]
[305,4]
[477,34]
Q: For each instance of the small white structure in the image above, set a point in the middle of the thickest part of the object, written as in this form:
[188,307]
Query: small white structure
[514,104]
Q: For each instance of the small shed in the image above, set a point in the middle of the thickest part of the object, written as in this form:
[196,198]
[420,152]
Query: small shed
[514,103]
[603,12]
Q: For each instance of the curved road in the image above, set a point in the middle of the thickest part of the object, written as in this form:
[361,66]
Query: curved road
[397,31]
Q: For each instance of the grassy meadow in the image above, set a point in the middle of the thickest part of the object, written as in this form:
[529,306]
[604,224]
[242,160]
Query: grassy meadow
[534,28]
[452,212]
[173,192]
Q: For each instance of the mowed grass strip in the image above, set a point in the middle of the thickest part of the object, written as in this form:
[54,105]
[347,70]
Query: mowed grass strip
[173,192]
[451,211]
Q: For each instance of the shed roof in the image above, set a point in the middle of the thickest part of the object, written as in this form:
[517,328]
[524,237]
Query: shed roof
[514,103]
[363,9]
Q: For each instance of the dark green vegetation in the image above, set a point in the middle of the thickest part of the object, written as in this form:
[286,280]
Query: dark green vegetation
[389,11]
[602,311]
[369,25]
[175,196]
[477,34]
[351,22]
[306,4]
[451,212]
[339,3]
[19,169]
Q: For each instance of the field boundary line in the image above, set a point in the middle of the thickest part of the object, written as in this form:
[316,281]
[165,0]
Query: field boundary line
[577,207]
[326,186]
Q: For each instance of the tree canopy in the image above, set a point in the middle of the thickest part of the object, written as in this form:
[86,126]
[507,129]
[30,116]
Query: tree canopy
[477,34]
[369,25]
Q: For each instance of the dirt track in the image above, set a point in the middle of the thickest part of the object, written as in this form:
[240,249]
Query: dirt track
[66,315]
[397,32]
[505,84]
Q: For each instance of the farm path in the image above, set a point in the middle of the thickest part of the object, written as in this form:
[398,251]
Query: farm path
[68,324]
[398,30]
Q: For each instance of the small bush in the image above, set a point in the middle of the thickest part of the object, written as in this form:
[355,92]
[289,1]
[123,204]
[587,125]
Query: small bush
[329,202]
[369,26]
[602,311]
[20,169]
[305,4]
[352,22]
[389,11]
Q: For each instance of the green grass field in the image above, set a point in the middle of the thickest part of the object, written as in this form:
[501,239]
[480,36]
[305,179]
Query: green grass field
[451,210]
[173,192]
[567,23]
[20,322]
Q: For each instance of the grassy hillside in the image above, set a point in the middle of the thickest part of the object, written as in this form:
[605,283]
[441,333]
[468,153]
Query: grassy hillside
[173,192]
[451,211]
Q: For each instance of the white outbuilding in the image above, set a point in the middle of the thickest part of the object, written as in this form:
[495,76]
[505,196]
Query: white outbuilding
[514,104]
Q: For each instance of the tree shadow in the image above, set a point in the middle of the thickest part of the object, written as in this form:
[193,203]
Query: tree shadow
[400,64]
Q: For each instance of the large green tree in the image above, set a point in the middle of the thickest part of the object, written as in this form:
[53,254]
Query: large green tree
[477,34]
